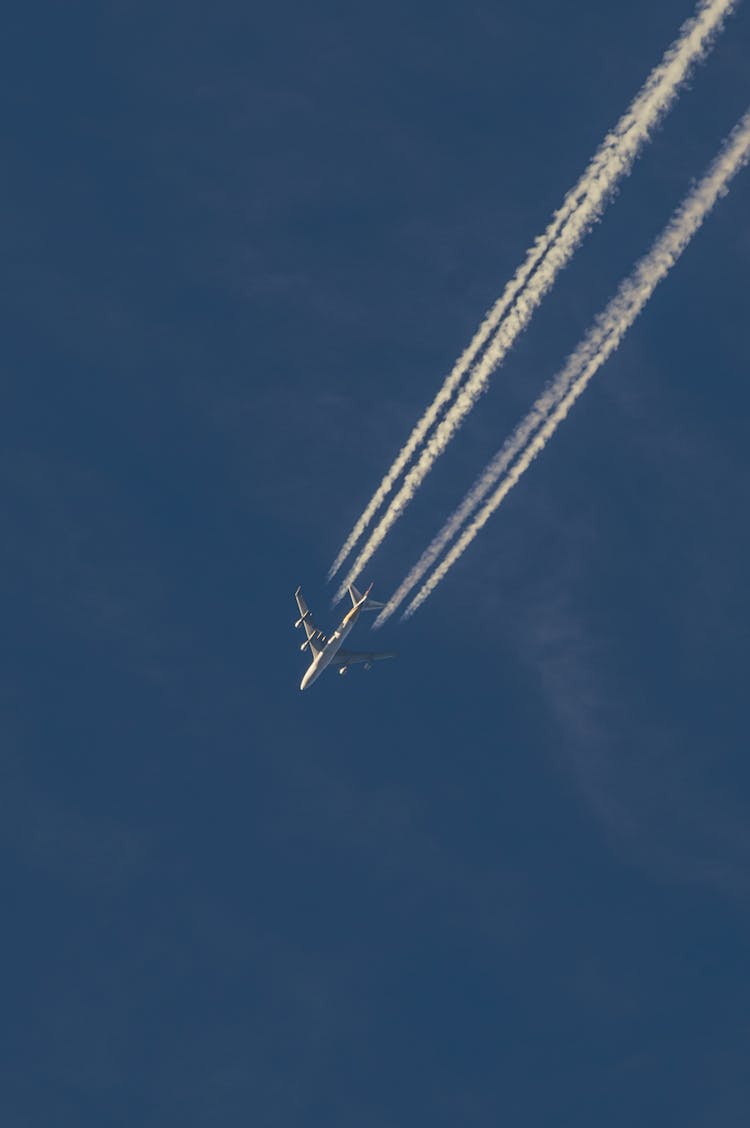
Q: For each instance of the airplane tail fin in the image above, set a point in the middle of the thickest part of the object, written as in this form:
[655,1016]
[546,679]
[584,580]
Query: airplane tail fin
[357,597]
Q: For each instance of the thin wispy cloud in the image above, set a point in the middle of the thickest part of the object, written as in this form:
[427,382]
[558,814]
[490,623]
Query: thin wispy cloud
[548,255]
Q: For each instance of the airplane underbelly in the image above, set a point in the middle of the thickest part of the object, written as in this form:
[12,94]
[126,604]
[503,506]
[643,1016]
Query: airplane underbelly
[334,644]
[345,632]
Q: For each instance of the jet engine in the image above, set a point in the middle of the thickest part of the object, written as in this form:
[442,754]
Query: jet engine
[367,666]
[343,670]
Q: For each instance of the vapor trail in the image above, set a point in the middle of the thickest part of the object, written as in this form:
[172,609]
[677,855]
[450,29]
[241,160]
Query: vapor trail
[599,344]
[581,208]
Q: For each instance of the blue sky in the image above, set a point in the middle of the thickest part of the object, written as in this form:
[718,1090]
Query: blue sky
[505,878]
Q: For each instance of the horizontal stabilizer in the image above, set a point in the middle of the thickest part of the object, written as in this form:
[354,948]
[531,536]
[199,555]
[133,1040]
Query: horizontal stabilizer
[369,604]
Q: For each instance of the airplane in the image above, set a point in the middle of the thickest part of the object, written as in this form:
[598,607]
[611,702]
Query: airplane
[324,650]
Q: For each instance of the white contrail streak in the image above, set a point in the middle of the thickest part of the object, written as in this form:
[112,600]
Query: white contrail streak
[581,208]
[599,344]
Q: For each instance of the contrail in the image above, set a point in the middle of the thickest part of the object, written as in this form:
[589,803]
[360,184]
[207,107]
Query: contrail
[581,208]
[599,344]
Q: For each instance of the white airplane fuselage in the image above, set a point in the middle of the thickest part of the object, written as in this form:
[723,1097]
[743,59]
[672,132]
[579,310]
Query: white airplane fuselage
[331,648]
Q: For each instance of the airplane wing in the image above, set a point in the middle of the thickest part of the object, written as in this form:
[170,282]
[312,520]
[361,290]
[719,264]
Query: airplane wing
[316,640]
[346,658]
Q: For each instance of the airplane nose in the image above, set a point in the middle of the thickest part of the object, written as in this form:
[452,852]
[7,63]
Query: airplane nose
[311,674]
